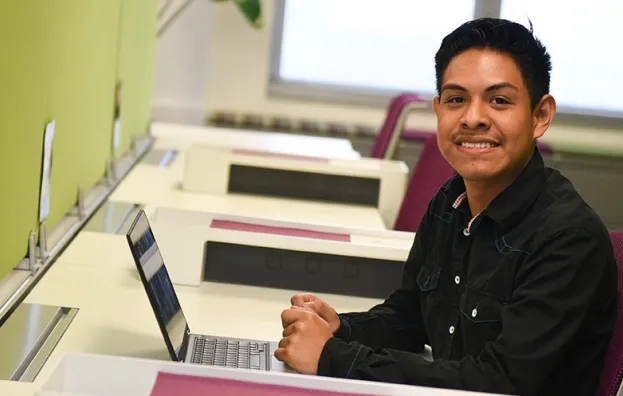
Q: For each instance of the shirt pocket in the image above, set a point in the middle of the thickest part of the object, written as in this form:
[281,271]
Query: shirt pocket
[428,278]
[428,283]
[482,318]
[480,307]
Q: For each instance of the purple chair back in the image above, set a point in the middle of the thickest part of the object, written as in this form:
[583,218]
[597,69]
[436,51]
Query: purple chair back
[613,366]
[430,173]
[395,114]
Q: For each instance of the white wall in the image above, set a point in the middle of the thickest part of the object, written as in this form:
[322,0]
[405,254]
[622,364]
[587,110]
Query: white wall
[182,64]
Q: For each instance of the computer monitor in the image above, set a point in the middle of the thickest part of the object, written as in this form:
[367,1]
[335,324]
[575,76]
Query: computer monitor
[158,286]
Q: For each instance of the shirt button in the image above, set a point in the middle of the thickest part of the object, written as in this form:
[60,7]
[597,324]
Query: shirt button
[474,312]
[451,329]
[457,279]
[466,232]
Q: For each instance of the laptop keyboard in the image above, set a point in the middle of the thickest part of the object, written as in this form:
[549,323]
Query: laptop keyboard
[229,353]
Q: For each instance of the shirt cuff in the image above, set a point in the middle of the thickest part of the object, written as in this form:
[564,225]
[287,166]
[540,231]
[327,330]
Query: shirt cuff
[343,332]
[338,358]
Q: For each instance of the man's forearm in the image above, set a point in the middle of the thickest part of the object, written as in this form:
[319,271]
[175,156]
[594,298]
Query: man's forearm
[356,361]
[386,325]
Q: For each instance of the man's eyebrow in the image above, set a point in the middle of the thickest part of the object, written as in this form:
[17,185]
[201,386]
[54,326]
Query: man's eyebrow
[456,87]
[494,87]
[497,87]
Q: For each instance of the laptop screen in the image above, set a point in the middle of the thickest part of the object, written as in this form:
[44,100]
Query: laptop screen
[157,284]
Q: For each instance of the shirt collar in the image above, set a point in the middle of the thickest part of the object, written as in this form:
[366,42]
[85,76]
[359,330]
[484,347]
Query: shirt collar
[511,204]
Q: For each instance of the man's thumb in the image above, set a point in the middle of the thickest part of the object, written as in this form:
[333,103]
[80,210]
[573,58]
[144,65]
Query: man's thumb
[322,309]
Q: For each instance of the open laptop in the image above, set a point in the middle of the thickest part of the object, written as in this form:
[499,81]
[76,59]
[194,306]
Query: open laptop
[183,345]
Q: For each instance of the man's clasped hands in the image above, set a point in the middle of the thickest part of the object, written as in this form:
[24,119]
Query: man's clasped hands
[307,326]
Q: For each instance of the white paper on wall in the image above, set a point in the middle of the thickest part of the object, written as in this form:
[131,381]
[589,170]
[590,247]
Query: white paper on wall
[44,197]
[117,134]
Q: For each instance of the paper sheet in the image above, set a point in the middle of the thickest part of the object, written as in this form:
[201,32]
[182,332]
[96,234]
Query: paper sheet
[116,135]
[44,197]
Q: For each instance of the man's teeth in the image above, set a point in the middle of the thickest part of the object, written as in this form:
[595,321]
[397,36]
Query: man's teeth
[477,145]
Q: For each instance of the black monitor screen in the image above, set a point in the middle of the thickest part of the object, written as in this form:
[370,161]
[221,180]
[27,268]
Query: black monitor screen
[158,284]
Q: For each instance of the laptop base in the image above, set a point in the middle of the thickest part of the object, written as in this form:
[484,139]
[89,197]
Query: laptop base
[228,352]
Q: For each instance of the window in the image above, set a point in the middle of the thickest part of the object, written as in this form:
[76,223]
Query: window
[386,45]
[586,50]
[365,51]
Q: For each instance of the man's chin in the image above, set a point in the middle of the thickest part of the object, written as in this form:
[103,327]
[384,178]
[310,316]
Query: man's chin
[476,175]
[479,170]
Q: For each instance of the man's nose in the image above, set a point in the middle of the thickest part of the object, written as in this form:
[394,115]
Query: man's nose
[476,115]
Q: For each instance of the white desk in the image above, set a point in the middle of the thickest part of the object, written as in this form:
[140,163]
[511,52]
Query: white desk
[18,388]
[185,135]
[367,182]
[115,317]
[115,298]
[373,258]
[81,374]
[582,140]
[101,250]
[153,186]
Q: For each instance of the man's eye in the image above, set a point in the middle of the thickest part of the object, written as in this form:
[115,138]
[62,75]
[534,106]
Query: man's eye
[455,99]
[500,101]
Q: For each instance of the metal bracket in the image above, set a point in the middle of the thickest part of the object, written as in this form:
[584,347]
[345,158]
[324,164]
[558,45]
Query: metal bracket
[32,253]
[43,243]
[81,203]
[134,147]
[30,263]
[111,172]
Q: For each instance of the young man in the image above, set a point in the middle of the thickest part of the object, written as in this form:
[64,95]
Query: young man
[512,279]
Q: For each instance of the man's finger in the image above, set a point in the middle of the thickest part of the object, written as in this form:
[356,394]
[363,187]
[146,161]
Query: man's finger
[292,329]
[306,308]
[288,330]
[300,299]
[287,317]
[316,306]
[281,355]
[321,308]
[284,342]
[290,316]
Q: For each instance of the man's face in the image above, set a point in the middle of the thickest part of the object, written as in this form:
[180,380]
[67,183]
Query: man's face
[485,125]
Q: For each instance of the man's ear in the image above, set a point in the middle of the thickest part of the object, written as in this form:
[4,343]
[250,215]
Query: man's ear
[543,115]
[436,101]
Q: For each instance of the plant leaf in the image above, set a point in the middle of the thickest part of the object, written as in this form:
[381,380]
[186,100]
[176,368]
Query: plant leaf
[252,10]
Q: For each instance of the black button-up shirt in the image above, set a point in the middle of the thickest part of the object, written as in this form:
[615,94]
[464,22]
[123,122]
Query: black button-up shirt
[520,299]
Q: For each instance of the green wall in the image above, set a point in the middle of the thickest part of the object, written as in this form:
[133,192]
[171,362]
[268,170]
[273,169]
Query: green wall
[21,127]
[80,65]
[61,60]
[136,67]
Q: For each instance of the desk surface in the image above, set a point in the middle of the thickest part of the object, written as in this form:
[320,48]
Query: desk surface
[114,314]
[583,140]
[154,186]
[102,249]
[18,388]
[115,317]
[184,135]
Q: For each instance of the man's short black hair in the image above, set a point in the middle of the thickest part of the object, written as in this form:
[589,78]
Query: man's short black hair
[506,37]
